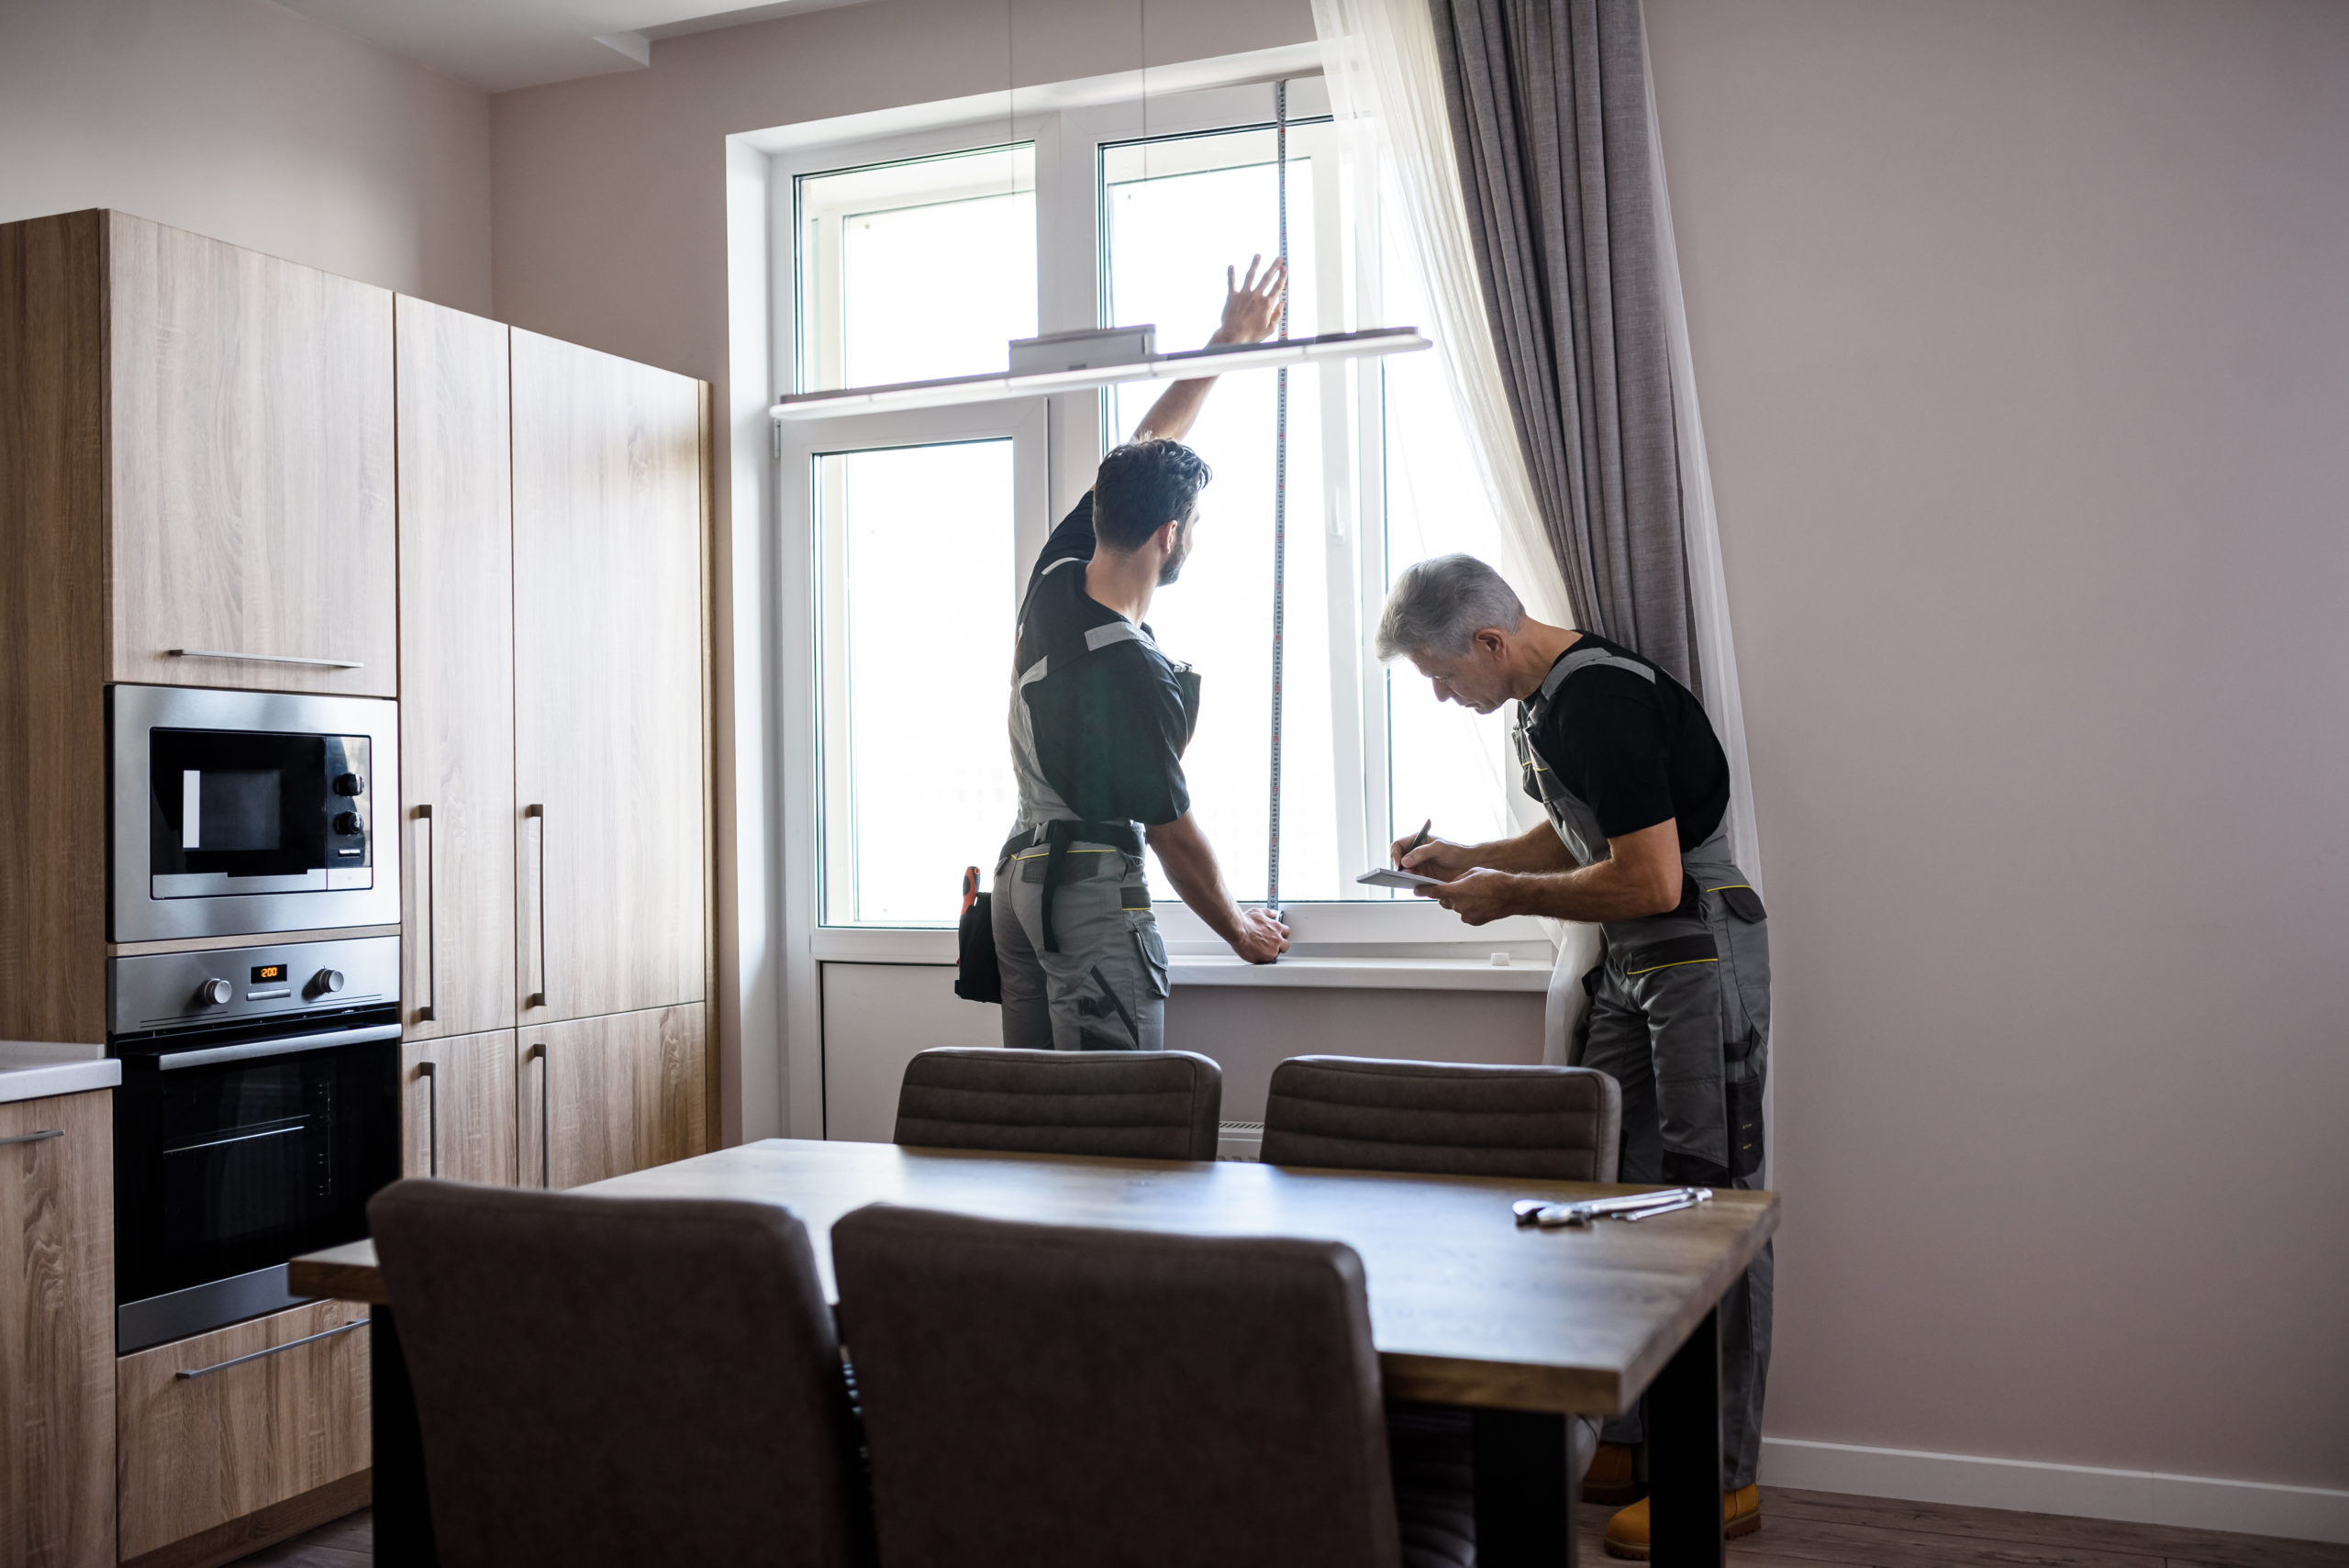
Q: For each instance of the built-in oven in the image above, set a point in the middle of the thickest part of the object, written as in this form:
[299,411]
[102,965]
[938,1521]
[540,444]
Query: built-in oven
[259,1111]
[236,813]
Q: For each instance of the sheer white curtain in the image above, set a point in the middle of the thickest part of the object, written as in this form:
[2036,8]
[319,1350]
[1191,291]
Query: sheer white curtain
[1700,526]
[1386,89]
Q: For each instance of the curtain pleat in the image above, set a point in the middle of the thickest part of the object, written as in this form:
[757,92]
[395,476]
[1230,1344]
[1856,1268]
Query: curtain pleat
[1549,113]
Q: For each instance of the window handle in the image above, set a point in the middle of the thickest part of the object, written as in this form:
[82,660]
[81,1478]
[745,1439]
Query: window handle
[273,1351]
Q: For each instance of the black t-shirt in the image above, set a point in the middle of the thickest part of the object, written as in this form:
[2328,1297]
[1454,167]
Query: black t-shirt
[1637,751]
[1109,727]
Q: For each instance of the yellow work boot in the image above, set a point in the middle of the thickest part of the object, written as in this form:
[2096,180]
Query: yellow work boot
[1627,1532]
[1611,1478]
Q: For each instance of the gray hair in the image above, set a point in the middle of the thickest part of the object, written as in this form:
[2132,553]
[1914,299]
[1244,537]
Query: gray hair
[1438,607]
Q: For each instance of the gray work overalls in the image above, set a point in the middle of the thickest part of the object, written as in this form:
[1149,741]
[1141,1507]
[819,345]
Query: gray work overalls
[1083,967]
[1680,1017]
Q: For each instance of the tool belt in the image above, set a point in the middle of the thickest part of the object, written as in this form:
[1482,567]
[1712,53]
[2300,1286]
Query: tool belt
[1057,836]
[978,974]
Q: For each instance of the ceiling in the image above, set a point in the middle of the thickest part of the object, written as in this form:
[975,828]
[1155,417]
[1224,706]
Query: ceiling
[501,44]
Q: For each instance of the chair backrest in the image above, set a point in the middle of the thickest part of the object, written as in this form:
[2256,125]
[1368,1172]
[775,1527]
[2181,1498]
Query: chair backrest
[620,1381]
[1445,1119]
[1055,1397]
[1138,1105]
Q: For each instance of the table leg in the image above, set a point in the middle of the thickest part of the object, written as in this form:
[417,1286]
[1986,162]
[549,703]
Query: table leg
[403,1510]
[1526,1489]
[1684,1424]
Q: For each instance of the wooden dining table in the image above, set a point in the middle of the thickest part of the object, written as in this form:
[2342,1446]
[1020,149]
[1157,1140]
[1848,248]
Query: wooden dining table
[1528,1328]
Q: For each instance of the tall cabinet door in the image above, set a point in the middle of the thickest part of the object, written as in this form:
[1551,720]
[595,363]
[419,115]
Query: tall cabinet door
[603,1097]
[607,661]
[250,469]
[456,577]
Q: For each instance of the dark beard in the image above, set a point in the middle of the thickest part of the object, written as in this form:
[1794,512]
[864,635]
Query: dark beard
[1173,567]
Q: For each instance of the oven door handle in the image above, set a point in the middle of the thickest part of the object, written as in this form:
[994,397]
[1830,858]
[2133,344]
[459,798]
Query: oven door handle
[171,1061]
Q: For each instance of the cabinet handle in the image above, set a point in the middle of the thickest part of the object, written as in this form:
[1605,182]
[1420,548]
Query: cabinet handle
[273,1350]
[34,1137]
[538,998]
[265,658]
[424,1070]
[546,1071]
[424,1012]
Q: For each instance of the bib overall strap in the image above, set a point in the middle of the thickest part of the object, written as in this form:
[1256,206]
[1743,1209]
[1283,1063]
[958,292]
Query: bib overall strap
[1582,659]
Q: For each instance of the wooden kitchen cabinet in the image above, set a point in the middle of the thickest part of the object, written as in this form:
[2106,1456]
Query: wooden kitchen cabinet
[56,1370]
[603,1097]
[457,1113]
[608,664]
[220,1454]
[249,462]
[456,663]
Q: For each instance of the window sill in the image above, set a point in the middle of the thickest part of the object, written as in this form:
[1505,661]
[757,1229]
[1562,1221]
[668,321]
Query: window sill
[1362,973]
[1526,971]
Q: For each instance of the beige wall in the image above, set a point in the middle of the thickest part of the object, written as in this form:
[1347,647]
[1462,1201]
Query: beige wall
[2022,336]
[241,120]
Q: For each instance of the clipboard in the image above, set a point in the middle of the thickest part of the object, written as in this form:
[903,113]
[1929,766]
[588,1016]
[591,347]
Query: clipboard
[1387,877]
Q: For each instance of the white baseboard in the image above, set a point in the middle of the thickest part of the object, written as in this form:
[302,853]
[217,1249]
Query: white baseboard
[2140,1496]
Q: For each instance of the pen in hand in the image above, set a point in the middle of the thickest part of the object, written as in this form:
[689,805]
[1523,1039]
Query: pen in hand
[1415,843]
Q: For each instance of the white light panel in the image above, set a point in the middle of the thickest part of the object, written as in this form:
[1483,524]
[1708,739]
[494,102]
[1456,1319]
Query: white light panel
[1221,359]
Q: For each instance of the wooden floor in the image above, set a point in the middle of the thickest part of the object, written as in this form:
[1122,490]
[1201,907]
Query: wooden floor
[1797,1528]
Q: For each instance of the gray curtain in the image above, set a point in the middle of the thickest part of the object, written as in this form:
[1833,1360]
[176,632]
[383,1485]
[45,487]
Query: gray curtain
[1549,113]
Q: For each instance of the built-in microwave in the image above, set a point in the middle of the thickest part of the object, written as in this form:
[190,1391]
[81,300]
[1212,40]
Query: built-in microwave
[243,813]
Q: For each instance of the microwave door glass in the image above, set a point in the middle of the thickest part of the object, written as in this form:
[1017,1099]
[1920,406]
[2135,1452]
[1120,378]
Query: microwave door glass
[235,812]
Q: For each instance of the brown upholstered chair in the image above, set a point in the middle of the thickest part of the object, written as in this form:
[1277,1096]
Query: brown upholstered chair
[1447,1118]
[1452,1120]
[1139,1105]
[620,1381]
[1053,1396]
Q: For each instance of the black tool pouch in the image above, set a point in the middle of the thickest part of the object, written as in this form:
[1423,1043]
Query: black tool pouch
[978,977]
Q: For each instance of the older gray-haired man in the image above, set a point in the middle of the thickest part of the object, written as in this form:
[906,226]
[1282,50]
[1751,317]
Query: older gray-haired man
[1626,766]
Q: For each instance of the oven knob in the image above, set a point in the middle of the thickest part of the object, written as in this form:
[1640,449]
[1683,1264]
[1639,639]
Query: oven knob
[347,823]
[349,784]
[326,982]
[212,992]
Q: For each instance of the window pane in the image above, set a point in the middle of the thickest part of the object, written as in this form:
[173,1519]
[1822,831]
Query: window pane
[877,305]
[1449,763]
[915,556]
[1207,203]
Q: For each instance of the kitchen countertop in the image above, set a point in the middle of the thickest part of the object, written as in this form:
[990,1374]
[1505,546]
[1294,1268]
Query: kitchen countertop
[33,1070]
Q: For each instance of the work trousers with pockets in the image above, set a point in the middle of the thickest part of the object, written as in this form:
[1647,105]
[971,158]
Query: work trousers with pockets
[1106,988]
[1688,1040]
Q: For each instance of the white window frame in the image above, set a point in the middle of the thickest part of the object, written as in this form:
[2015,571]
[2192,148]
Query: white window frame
[808,681]
[1067,141]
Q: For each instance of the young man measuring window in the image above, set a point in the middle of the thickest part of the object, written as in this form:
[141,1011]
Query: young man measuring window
[1099,721]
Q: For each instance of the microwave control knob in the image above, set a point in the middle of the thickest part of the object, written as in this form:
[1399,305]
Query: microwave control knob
[326,983]
[349,784]
[347,823]
[212,992]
